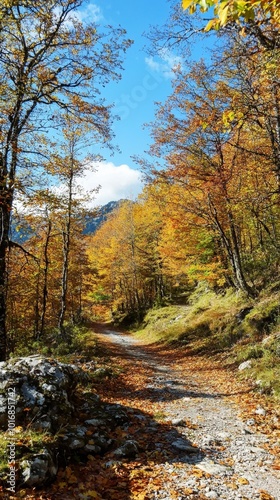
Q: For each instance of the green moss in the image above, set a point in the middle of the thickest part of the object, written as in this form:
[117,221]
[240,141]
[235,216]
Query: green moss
[263,317]
[207,315]
[26,441]
[160,416]
[249,352]
[230,323]
[80,340]
[266,374]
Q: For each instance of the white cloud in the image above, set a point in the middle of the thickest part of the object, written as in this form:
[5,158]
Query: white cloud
[116,181]
[168,63]
[152,64]
[91,13]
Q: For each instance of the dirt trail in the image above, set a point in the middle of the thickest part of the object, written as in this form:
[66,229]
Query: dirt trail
[208,449]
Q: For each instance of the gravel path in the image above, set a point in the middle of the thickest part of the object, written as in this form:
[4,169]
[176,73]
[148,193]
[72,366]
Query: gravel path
[217,456]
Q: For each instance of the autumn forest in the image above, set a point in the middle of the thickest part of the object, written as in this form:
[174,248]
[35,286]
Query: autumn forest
[209,211]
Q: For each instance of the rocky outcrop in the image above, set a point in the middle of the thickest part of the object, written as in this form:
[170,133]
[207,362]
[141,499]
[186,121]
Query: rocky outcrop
[49,398]
[44,391]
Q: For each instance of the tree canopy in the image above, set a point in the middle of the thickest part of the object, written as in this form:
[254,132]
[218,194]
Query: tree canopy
[227,11]
[50,62]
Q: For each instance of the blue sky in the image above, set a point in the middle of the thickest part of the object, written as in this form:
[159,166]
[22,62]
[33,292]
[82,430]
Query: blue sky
[144,81]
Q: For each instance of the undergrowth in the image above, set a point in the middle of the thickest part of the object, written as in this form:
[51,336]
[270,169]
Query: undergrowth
[241,329]
[30,440]
[78,340]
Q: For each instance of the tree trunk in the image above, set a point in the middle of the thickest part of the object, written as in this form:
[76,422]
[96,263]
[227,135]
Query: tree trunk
[45,283]
[64,282]
[66,250]
[232,248]
[6,195]
[3,334]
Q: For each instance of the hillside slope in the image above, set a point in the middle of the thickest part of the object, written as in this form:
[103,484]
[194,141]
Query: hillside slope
[229,326]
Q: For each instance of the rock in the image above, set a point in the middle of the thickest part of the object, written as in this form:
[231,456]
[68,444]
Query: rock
[247,431]
[43,424]
[76,444]
[251,421]
[43,385]
[101,373]
[81,430]
[101,441]
[271,338]
[242,314]
[78,438]
[118,415]
[38,470]
[224,435]
[212,468]
[94,422]
[212,495]
[178,422]
[92,448]
[112,463]
[245,365]
[260,411]
[128,450]
[31,395]
[184,445]
[257,450]
[48,389]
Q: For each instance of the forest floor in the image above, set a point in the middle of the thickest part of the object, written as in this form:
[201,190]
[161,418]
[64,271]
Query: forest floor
[201,433]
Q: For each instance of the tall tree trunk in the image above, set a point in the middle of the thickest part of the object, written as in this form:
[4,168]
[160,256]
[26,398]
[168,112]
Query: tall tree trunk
[4,245]
[37,306]
[45,282]
[64,281]
[232,248]
[6,196]
[3,333]
[66,250]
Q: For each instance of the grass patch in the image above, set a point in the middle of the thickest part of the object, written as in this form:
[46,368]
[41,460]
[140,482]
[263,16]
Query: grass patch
[264,317]
[27,441]
[159,416]
[249,352]
[206,322]
[228,323]
[79,340]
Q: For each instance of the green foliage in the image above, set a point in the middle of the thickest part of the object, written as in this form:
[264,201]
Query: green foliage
[235,11]
[204,322]
[265,373]
[159,416]
[26,439]
[80,341]
[263,317]
[250,352]
[215,323]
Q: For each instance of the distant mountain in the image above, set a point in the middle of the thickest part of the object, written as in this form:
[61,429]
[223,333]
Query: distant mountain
[93,223]
[21,231]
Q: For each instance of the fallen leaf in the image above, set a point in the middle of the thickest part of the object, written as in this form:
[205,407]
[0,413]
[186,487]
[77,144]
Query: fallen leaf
[264,495]
[242,480]
[233,486]
[93,494]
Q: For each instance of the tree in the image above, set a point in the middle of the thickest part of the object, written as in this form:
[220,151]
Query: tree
[258,19]
[69,166]
[49,61]
[125,257]
[227,11]
[212,162]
